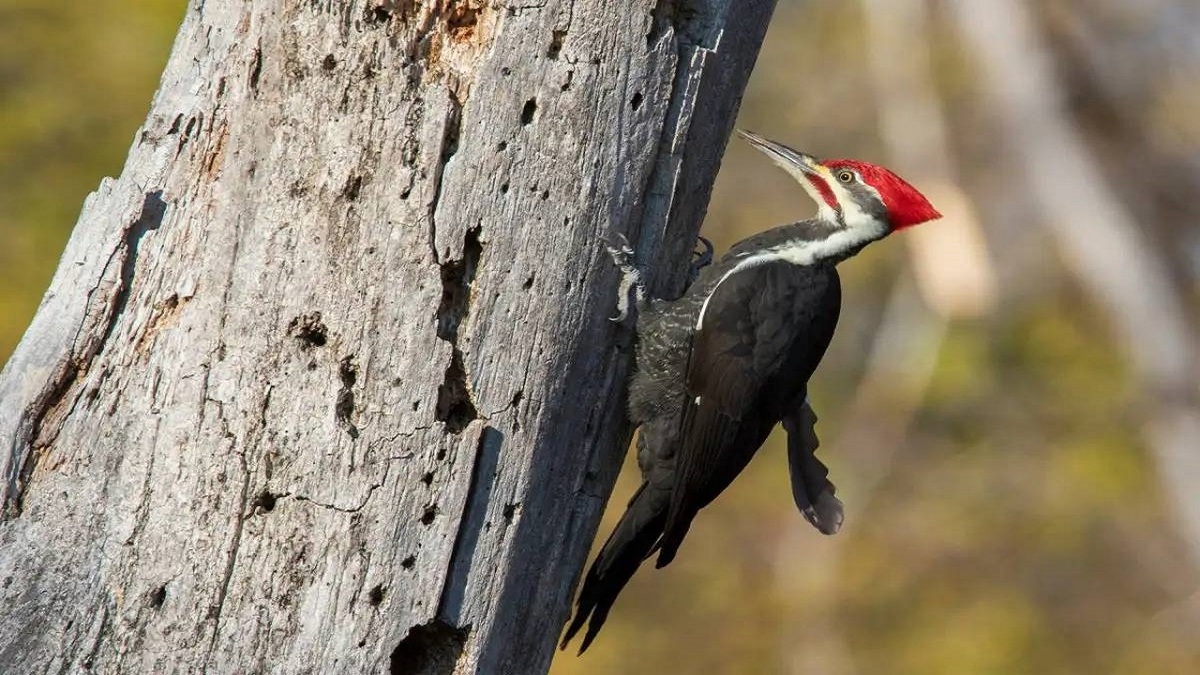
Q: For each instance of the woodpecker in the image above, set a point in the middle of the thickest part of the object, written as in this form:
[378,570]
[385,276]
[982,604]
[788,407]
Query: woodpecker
[719,367]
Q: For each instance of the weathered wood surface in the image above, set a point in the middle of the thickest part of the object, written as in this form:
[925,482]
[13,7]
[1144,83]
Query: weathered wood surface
[325,381]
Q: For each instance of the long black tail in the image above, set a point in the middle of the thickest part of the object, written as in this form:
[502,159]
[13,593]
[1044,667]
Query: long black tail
[629,544]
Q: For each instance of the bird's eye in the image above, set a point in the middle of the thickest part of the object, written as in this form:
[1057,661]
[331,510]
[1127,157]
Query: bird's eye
[846,176]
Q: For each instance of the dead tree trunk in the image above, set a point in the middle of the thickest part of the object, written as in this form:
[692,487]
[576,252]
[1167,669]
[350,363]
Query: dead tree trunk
[325,381]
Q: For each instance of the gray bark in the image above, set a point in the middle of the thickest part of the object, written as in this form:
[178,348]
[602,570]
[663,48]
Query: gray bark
[325,380]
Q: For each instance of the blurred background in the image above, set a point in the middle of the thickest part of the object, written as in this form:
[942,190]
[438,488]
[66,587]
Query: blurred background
[1010,409]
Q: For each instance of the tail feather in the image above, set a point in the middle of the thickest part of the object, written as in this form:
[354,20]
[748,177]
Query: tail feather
[630,543]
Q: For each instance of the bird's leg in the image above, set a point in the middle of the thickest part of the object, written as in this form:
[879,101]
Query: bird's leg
[811,488]
[633,284]
[700,259]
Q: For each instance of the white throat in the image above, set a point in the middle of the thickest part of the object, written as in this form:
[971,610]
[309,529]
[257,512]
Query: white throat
[858,231]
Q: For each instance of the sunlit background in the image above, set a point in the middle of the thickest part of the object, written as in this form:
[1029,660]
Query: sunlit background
[1010,408]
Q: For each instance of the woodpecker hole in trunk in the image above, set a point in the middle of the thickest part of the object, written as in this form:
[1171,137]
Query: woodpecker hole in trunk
[434,647]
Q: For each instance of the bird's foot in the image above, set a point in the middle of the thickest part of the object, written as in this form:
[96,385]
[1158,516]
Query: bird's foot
[632,284]
[700,259]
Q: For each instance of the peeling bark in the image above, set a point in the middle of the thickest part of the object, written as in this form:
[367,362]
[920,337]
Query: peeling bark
[325,381]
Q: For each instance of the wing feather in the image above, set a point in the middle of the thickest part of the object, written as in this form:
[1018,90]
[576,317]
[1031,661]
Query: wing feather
[750,325]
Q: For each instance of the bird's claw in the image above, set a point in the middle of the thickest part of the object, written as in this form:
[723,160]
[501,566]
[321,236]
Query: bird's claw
[700,259]
[622,254]
[705,257]
[619,249]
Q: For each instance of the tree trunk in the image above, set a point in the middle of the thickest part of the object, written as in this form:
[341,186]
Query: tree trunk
[325,381]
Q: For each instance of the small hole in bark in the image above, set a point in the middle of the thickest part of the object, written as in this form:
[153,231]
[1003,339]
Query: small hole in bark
[309,330]
[381,13]
[352,188]
[375,596]
[528,282]
[255,69]
[504,188]
[510,510]
[501,146]
[636,101]
[265,501]
[408,562]
[545,195]
[528,112]
[429,515]
[427,479]
[556,43]
[329,63]
[158,596]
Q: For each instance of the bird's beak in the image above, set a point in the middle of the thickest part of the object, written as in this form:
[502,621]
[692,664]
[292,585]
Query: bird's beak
[789,159]
[814,177]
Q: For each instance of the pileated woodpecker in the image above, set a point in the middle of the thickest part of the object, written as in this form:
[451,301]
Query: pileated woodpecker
[720,366]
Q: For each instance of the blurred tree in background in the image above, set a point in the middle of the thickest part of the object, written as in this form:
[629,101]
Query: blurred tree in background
[1008,406]
[75,82]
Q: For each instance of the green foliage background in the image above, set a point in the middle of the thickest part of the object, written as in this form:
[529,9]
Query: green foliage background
[1019,527]
[75,82]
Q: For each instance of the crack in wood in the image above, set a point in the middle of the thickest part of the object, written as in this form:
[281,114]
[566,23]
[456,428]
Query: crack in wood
[485,466]
[373,486]
[344,408]
[214,612]
[455,407]
[142,513]
[256,64]
[24,457]
[153,211]
[98,640]
[449,146]
[43,419]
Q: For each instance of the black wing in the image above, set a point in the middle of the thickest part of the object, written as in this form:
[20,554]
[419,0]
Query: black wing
[762,322]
